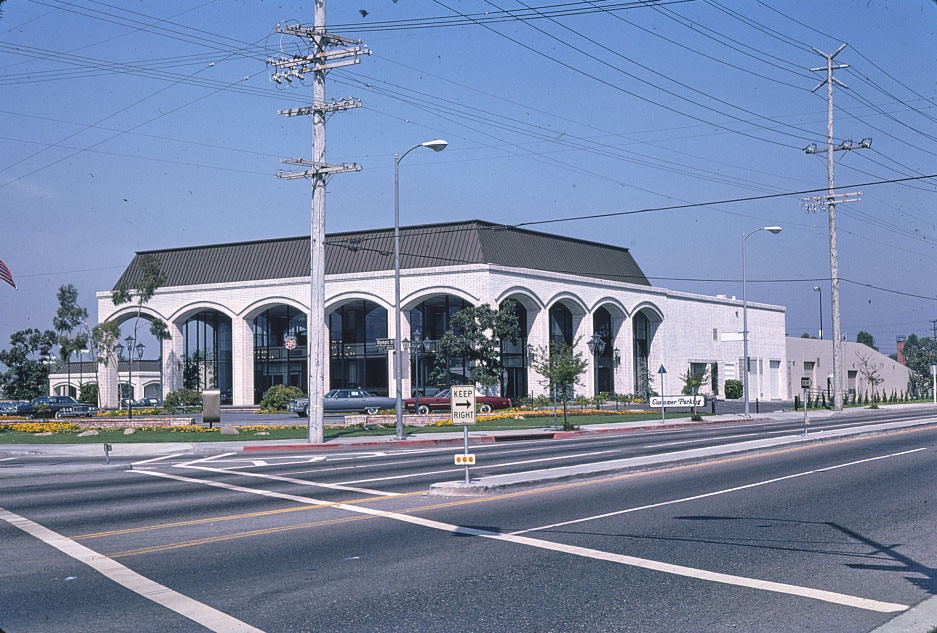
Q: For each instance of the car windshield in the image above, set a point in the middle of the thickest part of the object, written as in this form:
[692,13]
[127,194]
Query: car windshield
[442,394]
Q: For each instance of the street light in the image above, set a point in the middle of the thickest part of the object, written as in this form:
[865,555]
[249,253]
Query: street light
[437,146]
[819,292]
[770,229]
[130,350]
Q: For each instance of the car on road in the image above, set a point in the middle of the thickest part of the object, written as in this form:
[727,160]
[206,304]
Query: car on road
[344,400]
[55,406]
[440,402]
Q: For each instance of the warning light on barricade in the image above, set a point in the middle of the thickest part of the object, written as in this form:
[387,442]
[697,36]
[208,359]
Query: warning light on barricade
[463,459]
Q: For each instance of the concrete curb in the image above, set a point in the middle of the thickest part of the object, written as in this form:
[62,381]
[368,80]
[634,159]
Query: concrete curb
[55,471]
[497,484]
[919,619]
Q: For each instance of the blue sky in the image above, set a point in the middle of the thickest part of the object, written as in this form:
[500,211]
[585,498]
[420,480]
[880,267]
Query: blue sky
[132,126]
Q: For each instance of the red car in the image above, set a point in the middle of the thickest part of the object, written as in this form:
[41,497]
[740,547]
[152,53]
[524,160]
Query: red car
[440,402]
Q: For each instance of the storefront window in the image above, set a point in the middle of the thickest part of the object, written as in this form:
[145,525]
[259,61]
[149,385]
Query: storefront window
[355,360]
[206,356]
[280,356]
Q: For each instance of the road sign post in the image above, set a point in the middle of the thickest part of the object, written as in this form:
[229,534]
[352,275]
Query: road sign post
[805,385]
[462,407]
[661,372]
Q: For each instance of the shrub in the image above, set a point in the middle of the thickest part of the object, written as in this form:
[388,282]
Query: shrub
[542,401]
[734,389]
[278,396]
[88,393]
[181,398]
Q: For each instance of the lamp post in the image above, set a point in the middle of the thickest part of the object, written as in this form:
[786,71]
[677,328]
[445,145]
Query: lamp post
[819,292]
[139,348]
[770,229]
[437,146]
[596,346]
[47,360]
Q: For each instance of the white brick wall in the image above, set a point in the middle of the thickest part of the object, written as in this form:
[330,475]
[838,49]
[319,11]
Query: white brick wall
[684,335]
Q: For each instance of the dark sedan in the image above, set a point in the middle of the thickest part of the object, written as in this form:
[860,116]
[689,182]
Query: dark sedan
[55,406]
[344,400]
[440,402]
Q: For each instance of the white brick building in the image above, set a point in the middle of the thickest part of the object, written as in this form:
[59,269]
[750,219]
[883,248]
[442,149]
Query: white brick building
[237,313]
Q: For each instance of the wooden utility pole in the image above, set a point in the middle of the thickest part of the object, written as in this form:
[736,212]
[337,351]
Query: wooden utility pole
[326,51]
[831,199]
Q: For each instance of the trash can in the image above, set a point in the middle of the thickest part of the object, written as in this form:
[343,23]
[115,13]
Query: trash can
[211,406]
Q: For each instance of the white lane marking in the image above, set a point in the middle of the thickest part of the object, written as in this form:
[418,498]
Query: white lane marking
[679,570]
[6,459]
[204,459]
[156,459]
[301,482]
[482,467]
[713,493]
[209,617]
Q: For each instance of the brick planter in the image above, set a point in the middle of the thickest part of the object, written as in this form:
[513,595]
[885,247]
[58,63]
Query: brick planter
[390,420]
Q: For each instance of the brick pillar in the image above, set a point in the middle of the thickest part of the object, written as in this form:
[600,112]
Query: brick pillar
[242,362]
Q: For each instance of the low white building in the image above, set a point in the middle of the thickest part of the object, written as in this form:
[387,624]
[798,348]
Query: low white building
[237,314]
[813,359]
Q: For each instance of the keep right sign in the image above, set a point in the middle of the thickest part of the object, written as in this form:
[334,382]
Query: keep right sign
[462,404]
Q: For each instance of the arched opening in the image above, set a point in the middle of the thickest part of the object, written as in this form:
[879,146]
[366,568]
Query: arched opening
[561,325]
[429,368]
[644,324]
[206,353]
[280,356]
[355,359]
[514,357]
[603,352]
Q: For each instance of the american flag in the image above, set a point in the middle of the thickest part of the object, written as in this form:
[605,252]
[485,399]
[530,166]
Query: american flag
[5,274]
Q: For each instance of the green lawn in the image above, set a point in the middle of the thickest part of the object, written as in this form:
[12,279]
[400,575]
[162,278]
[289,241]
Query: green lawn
[115,436]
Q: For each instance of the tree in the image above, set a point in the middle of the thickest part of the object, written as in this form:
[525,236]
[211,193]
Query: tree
[71,323]
[866,339]
[919,354]
[869,370]
[563,367]
[149,280]
[692,381]
[27,376]
[806,335]
[476,334]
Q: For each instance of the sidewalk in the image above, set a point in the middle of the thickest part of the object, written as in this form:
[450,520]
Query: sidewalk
[155,449]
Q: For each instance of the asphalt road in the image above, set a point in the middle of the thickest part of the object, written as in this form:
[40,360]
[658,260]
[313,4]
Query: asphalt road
[348,541]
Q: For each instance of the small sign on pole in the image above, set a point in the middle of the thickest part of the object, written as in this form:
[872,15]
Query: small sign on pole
[661,372]
[465,459]
[462,404]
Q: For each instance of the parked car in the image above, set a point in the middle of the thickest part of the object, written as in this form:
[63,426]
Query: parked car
[55,406]
[344,400]
[9,408]
[440,401]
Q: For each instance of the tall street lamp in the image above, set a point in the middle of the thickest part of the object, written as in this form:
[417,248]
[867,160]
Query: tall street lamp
[130,350]
[770,229]
[437,146]
[819,292]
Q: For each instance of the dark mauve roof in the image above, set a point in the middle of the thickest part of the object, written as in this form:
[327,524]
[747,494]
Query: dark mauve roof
[424,246]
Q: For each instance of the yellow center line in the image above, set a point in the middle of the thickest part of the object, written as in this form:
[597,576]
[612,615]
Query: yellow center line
[446,504]
[231,517]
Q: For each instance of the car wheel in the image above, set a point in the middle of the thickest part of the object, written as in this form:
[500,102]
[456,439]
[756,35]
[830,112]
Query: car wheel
[306,411]
[422,409]
[485,408]
[372,410]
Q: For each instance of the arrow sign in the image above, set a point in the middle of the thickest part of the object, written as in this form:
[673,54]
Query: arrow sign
[462,404]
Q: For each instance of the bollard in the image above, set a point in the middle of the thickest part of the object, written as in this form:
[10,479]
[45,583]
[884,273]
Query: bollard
[756,405]
[107,453]
[712,404]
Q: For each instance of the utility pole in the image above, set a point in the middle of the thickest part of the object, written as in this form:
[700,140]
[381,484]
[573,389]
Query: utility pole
[326,51]
[934,324]
[831,199]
